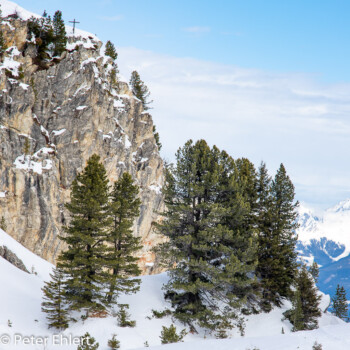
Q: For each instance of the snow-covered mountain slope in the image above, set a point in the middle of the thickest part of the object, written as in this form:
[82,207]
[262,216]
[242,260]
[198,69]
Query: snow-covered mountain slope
[326,240]
[20,303]
[334,224]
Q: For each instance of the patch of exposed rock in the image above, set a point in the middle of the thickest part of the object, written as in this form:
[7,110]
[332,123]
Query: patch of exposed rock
[12,258]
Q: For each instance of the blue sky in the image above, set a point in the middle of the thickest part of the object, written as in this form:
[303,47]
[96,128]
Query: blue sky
[300,36]
[267,80]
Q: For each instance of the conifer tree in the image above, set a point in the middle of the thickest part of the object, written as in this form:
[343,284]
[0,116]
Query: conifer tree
[284,226]
[206,255]
[139,89]
[306,311]
[114,343]
[54,304]
[59,34]
[156,137]
[268,252]
[88,343]
[276,214]
[3,225]
[2,39]
[120,255]
[297,315]
[84,261]
[110,50]
[314,270]
[340,304]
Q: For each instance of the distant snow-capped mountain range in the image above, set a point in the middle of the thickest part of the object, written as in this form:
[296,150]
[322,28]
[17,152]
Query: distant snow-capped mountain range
[326,239]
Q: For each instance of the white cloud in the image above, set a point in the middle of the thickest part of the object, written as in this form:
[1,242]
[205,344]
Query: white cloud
[197,30]
[289,118]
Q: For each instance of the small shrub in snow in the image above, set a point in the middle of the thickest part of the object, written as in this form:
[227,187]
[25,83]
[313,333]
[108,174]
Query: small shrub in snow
[114,343]
[169,335]
[317,346]
[161,314]
[9,323]
[124,317]
[88,343]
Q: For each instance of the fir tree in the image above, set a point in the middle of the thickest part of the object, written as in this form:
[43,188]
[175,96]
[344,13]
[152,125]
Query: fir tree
[120,255]
[42,30]
[110,50]
[124,317]
[276,215]
[314,271]
[84,261]
[208,255]
[156,137]
[88,343]
[340,304]
[284,216]
[296,316]
[59,34]
[54,304]
[140,90]
[306,311]
[169,335]
[268,252]
[114,343]
[2,44]
[2,39]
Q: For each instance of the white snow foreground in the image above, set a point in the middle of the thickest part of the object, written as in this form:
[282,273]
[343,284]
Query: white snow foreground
[21,316]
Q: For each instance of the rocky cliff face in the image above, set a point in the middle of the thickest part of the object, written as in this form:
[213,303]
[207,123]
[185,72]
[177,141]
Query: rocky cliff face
[59,116]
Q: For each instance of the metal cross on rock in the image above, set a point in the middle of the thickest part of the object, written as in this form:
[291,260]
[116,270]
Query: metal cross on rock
[74,22]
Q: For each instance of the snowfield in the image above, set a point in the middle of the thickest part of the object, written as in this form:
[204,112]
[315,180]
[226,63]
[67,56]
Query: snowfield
[20,303]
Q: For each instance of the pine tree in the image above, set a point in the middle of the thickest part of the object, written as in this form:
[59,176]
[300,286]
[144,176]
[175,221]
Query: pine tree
[88,343]
[54,304]
[2,39]
[120,256]
[140,90]
[110,50]
[284,226]
[2,44]
[42,30]
[59,34]
[156,137]
[114,343]
[169,335]
[124,317]
[208,256]
[340,304]
[84,261]
[268,251]
[297,315]
[314,270]
[276,224]
[306,311]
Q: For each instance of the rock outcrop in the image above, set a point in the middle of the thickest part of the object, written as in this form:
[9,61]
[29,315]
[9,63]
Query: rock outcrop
[51,121]
[12,258]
